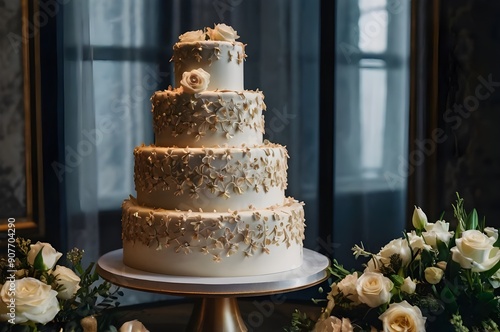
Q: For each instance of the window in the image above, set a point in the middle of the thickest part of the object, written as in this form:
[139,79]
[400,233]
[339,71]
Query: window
[127,47]
[371,116]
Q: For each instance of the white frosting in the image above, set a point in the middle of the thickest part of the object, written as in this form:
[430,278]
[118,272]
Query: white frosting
[239,243]
[221,59]
[208,118]
[210,178]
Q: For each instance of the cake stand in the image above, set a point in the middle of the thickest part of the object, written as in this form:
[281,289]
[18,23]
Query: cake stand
[216,309]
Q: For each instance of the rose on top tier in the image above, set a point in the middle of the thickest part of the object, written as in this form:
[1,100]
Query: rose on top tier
[216,51]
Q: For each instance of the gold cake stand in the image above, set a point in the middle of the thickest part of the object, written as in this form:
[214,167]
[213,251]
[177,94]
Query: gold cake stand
[217,308]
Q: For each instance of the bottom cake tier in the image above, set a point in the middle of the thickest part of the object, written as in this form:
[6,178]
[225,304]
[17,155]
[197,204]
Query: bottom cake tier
[213,244]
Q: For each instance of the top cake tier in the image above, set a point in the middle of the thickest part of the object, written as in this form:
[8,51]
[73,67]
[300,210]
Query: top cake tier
[216,52]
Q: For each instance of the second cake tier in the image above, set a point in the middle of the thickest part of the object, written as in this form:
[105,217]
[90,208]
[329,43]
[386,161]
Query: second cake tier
[208,118]
[211,179]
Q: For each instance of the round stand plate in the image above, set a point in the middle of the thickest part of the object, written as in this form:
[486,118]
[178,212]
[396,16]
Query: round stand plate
[313,271]
[218,309]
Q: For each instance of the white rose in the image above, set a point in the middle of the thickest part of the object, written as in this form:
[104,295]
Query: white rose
[437,231]
[69,281]
[397,246]
[495,279]
[43,256]
[133,326]
[348,287]
[417,243]
[34,301]
[419,219]
[433,275]
[383,258]
[333,324]
[374,289]
[408,286]
[195,81]
[192,36]
[403,316]
[475,250]
[491,232]
[222,32]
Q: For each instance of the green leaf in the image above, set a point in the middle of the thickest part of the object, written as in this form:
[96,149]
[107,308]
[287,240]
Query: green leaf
[443,252]
[396,279]
[38,263]
[472,220]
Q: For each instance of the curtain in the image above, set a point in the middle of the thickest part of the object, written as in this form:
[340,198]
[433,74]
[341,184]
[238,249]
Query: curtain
[80,163]
[371,123]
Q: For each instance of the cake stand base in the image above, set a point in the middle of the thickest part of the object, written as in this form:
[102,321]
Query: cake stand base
[216,314]
[216,309]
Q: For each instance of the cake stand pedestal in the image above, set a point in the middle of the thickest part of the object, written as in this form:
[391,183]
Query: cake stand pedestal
[217,308]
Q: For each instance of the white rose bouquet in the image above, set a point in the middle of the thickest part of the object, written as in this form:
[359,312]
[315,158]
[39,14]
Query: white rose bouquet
[38,294]
[429,279]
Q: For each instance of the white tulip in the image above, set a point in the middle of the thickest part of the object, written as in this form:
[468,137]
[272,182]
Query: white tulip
[48,254]
[419,219]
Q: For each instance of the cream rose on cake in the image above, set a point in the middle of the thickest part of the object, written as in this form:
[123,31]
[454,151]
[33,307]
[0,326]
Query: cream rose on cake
[195,81]
[403,316]
[35,301]
[43,256]
[68,280]
[474,250]
[222,32]
[374,289]
[192,36]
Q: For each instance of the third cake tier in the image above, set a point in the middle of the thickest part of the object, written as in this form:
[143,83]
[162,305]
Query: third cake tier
[211,179]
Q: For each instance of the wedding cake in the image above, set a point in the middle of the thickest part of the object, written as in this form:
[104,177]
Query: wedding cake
[210,191]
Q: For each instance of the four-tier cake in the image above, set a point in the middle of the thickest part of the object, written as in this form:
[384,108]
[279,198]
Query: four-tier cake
[210,191]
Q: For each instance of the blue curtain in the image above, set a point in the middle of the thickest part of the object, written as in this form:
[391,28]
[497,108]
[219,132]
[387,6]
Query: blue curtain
[80,146]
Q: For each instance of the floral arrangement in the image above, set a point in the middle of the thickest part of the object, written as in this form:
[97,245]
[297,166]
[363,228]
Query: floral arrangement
[37,294]
[432,278]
